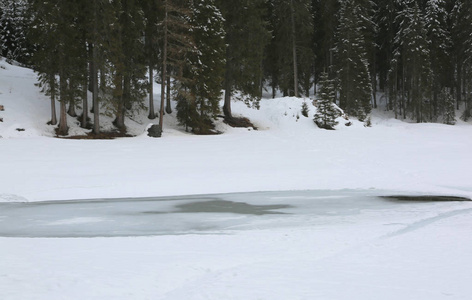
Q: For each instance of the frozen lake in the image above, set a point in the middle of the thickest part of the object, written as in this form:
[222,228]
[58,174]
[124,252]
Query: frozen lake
[348,244]
[203,214]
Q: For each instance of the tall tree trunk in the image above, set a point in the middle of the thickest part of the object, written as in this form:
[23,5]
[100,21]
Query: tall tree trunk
[96,111]
[71,111]
[168,104]
[227,102]
[90,69]
[164,71]
[459,85]
[128,104]
[94,75]
[53,100]
[84,103]
[63,128]
[294,50]
[374,78]
[152,114]
[228,83]
[120,105]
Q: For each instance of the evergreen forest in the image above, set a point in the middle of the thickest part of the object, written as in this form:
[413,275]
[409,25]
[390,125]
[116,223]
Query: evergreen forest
[415,56]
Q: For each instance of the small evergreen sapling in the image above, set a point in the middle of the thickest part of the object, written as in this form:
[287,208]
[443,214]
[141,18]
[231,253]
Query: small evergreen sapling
[326,114]
[305,109]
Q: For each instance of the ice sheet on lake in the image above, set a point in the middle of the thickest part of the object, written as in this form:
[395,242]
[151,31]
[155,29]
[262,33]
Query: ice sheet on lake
[219,213]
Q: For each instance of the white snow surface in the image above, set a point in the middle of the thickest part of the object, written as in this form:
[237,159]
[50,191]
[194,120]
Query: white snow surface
[409,251]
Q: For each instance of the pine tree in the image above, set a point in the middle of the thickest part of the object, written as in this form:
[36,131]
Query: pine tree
[461,31]
[414,56]
[326,114]
[448,107]
[440,47]
[14,23]
[326,23]
[42,33]
[353,69]
[246,37]
[96,17]
[199,91]
[127,59]
[292,22]
[176,43]
[385,16]
[153,13]
[49,59]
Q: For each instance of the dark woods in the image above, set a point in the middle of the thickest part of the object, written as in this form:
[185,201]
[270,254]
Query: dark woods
[411,57]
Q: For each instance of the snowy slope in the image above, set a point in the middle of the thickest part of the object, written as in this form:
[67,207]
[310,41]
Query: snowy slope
[288,152]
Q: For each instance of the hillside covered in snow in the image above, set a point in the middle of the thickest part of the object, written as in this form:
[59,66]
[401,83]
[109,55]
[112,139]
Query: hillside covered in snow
[322,232]
[287,151]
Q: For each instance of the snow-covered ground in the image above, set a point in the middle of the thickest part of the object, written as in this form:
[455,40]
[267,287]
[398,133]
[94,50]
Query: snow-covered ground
[394,251]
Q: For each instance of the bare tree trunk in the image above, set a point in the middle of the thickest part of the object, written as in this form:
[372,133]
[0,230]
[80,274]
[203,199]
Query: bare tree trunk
[374,79]
[152,114]
[128,104]
[53,100]
[168,104]
[120,108]
[227,103]
[395,89]
[63,128]
[84,103]
[459,85]
[90,71]
[294,50]
[314,80]
[71,111]
[164,70]
[96,111]
[94,75]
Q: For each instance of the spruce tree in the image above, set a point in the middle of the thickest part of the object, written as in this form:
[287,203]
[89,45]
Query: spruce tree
[44,64]
[448,107]
[14,23]
[413,51]
[353,68]
[100,14]
[461,31]
[153,13]
[44,33]
[440,46]
[246,37]
[292,22]
[326,22]
[326,114]
[176,43]
[199,90]
[126,57]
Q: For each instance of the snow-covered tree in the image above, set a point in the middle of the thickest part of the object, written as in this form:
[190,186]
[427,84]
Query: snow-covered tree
[126,54]
[353,68]
[385,15]
[14,23]
[292,30]
[199,90]
[461,17]
[246,38]
[412,63]
[440,47]
[326,114]
[448,106]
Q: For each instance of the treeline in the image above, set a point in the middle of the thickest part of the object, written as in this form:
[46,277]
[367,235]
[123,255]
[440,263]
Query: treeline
[415,54]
